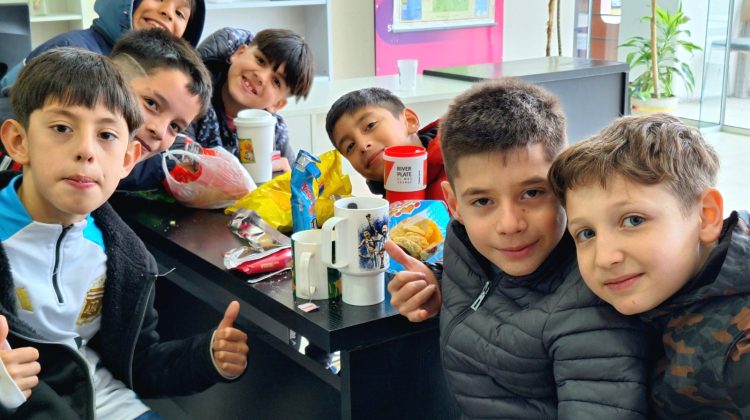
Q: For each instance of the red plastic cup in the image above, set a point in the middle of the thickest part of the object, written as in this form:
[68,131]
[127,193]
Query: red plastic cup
[405,173]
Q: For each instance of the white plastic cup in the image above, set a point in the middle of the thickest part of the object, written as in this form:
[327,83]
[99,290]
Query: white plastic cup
[255,134]
[407,74]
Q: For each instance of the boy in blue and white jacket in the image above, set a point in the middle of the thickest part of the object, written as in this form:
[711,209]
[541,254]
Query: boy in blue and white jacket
[77,322]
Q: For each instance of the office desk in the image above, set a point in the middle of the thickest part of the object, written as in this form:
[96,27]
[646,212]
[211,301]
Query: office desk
[592,92]
[390,368]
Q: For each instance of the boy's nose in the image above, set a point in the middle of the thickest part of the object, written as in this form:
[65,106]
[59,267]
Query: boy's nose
[85,150]
[607,253]
[510,220]
[167,10]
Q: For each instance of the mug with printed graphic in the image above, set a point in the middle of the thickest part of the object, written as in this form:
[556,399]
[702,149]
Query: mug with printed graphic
[359,229]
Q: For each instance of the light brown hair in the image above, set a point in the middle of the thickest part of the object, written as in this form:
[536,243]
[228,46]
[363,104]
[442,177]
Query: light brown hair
[648,150]
[501,115]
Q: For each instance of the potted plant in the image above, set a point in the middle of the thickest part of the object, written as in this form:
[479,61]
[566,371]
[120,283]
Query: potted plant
[657,58]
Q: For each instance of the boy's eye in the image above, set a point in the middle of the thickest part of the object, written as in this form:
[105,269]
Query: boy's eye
[108,136]
[175,127]
[481,202]
[532,193]
[348,147]
[150,104]
[632,221]
[260,59]
[584,235]
[277,82]
[61,128]
[370,126]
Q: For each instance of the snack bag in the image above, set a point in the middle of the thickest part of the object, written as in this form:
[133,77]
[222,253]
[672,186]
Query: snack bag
[418,227]
[304,175]
[205,178]
[273,200]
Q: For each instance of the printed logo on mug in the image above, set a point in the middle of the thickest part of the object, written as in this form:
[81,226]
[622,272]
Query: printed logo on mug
[405,173]
[312,279]
[359,230]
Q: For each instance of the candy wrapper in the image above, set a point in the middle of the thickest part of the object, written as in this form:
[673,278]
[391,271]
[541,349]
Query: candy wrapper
[418,227]
[304,174]
[259,235]
[267,250]
[273,200]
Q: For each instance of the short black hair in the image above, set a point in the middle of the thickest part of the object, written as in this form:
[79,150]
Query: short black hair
[73,77]
[283,46]
[501,115]
[357,99]
[150,50]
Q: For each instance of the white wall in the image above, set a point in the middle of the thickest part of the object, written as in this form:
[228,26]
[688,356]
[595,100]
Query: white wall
[353,38]
[525,29]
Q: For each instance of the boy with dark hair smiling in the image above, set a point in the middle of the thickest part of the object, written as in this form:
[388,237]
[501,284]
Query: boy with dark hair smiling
[363,123]
[521,335]
[76,284]
[253,72]
[647,223]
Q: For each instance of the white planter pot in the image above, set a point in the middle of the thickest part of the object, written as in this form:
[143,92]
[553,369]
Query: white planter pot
[652,106]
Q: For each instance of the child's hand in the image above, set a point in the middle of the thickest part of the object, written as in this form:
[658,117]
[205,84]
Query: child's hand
[230,344]
[20,363]
[281,165]
[415,292]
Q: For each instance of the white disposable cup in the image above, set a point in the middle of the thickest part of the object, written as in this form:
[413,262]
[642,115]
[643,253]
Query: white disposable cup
[359,235]
[407,74]
[255,134]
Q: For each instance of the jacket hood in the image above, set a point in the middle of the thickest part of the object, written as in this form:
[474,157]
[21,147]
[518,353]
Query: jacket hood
[220,45]
[725,273]
[116,18]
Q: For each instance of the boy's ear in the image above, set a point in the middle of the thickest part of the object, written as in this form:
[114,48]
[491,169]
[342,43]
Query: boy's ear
[14,139]
[132,155]
[451,199]
[711,205]
[277,106]
[412,121]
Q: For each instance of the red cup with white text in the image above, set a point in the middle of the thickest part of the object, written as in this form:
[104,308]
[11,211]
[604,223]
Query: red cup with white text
[405,173]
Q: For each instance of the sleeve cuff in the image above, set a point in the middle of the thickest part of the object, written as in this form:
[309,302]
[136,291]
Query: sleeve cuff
[11,396]
[211,351]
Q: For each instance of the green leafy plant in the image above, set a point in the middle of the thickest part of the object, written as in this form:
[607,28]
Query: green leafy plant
[669,39]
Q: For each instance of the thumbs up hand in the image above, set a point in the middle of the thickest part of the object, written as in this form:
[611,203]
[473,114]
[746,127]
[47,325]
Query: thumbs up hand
[20,363]
[229,346]
[415,292]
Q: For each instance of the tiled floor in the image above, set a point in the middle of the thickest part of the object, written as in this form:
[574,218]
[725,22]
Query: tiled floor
[734,176]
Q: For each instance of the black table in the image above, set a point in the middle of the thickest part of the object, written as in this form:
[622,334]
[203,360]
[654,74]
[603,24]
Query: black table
[390,368]
[592,92]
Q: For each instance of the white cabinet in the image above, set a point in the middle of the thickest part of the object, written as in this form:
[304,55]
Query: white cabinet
[61,16]
[309,18]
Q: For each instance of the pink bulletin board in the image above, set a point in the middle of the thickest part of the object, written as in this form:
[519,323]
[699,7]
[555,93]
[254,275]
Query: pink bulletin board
[435,48]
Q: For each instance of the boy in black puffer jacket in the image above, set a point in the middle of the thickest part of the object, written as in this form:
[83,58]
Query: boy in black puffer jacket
[648,227]
[521,335]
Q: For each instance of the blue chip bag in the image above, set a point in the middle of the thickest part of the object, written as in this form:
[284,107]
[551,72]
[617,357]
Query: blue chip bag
[418,227]
[304,173]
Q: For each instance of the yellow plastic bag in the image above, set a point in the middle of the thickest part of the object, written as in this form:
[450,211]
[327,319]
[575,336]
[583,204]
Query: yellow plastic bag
[272,200]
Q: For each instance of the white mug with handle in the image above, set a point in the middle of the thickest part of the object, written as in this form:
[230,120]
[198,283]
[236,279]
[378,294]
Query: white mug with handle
[359,229]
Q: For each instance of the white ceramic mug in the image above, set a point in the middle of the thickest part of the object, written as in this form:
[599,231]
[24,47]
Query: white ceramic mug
[359,228]
[312,279]
[256,130]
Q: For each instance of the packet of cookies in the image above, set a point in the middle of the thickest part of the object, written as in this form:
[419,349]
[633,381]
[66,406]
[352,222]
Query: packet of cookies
[418,227]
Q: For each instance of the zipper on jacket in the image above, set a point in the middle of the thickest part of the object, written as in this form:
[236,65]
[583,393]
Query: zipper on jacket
[489,285]
[56,266]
